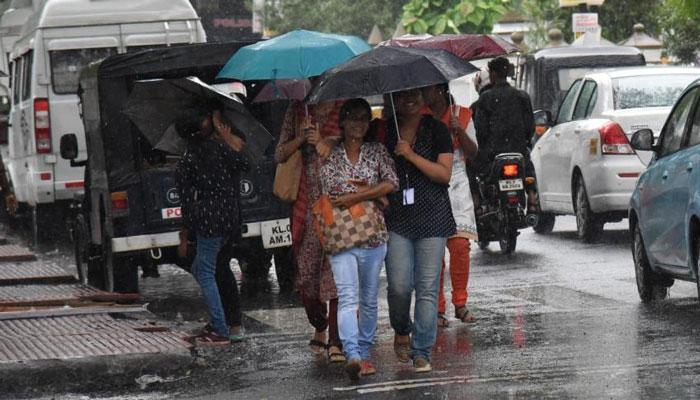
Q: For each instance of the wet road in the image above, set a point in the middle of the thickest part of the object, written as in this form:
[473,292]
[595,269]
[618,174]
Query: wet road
[560,319]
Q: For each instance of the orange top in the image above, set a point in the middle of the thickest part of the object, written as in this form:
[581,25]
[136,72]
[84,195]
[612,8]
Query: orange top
[464,116]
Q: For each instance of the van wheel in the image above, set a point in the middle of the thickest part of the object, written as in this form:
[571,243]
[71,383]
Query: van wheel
[650,285]
[545,224]
[79,234]
[588,224]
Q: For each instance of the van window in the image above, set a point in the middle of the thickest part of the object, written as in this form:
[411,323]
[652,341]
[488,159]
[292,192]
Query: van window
[16,65]
[27,75]
[66,66]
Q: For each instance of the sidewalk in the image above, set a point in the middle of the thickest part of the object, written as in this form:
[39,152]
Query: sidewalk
[55,331]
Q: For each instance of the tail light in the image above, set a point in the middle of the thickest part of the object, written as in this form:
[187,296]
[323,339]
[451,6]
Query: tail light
[613,139]
[42,126]
[511,171]
[120,204]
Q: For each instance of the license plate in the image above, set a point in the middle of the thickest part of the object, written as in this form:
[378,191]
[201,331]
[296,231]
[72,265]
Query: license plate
[277,233]
[510,184]
[171,213]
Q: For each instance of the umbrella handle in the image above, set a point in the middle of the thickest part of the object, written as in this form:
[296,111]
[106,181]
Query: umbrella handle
[393,112]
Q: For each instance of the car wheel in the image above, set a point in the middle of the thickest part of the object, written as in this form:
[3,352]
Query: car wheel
[650,285]
[588,225]
[545,224]
[697,265]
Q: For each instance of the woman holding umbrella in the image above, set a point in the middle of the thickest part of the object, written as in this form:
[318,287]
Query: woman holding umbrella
[313,130]
[419,219]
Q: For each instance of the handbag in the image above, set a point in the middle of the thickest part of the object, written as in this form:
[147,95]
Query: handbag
[287,177]
[340,229]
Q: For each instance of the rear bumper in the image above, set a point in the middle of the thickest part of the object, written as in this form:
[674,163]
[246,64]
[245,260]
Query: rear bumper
[169,239]
[610,182]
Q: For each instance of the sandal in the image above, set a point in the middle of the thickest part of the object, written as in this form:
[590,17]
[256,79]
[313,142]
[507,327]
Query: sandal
[463,314]
[211,339]
[443,322]
[317,347]
[335,355]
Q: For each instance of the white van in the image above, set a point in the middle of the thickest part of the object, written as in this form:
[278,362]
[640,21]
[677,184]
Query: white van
[59,39]
[11,23]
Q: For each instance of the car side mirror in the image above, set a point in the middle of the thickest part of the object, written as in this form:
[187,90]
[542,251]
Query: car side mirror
[69,146]
[543,121]
[643,140]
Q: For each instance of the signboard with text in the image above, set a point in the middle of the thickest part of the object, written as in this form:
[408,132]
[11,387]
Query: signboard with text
[584,22]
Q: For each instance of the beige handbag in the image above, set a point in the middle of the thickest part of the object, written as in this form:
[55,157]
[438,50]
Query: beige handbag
[287,177]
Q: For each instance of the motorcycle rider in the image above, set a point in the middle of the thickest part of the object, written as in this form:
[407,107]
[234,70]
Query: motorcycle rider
[504,123]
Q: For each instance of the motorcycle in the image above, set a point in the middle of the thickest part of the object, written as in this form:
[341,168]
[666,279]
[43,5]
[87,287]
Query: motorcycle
[503,202]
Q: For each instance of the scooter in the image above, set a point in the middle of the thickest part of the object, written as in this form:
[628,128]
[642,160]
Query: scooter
[503,202]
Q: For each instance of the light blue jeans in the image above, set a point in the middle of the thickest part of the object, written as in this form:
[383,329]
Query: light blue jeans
[204,271]
[415,265]
[356,273]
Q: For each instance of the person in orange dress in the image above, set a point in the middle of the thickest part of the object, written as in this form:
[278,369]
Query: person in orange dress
[440,105]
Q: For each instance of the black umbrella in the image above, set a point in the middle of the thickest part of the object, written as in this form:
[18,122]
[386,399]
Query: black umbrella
[154,105]
[386,70]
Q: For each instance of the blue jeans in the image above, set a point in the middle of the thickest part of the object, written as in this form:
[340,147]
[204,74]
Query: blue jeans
[356,273]
[415,265]
[204,271]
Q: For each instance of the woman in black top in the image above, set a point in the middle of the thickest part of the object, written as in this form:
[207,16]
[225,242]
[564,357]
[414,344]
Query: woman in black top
[209,184]
[419,219]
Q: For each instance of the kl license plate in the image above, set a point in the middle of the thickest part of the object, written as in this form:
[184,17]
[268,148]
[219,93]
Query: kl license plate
[511,184]
[171,213]
[277,233]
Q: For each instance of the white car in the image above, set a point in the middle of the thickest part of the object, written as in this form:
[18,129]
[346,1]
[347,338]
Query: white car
[584,163]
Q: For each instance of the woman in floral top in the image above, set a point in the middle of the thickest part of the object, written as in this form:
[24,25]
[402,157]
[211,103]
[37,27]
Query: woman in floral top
[355,172]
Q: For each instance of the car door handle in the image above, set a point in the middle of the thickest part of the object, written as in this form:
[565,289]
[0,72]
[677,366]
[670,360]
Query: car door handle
[557,134]
[664,176]
[577,131]
[689,167]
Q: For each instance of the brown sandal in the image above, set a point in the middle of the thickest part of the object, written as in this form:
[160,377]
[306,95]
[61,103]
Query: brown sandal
[443,322]
[463,314]
[335,355]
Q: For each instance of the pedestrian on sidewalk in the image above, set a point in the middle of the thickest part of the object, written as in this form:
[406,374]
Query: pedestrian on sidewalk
[419,219]
[209,184]
[356,173]
[457,119]
[313,130]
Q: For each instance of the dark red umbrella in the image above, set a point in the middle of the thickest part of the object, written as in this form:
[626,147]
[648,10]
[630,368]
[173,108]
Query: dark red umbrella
[465,46]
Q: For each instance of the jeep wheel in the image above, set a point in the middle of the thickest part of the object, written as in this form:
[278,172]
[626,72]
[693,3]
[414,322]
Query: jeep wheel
[650,285]
[588,225]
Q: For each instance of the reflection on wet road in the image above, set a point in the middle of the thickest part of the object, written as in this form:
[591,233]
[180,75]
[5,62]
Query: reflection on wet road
[559,319]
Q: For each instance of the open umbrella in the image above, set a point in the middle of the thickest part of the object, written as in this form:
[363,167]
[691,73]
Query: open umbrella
[386,70]
[295,55]
[154,105]
[465,46]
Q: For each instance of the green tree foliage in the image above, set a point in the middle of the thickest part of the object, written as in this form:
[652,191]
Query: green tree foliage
[452,16]
[617,17]
[681,28]
[355,17]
